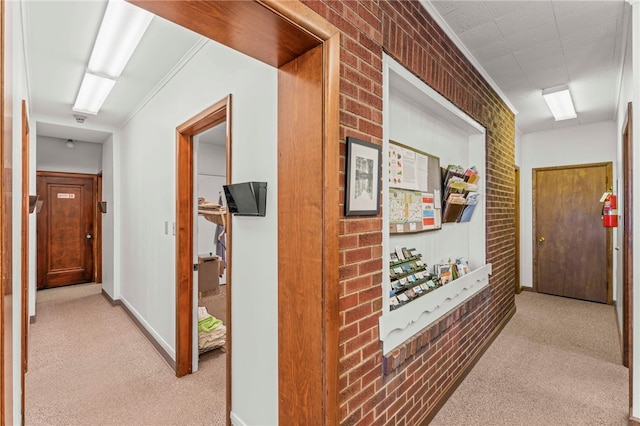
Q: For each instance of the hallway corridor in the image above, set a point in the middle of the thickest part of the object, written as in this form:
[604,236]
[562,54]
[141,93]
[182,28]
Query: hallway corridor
[90,365]
[557,362]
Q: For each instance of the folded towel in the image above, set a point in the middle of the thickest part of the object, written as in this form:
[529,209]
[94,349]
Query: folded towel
[213,339]
[209,323]
[202,312]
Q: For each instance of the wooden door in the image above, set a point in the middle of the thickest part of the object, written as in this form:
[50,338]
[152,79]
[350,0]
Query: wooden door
[572,249]
[65,228]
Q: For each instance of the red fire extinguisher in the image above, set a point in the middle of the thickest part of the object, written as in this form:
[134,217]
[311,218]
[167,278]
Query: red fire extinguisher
[610,211]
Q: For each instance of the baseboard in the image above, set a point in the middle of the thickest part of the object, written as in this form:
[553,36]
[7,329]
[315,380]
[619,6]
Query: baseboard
[161,350]
[444,397]
[113,302]
[32,319]
[634,421]
[524,288]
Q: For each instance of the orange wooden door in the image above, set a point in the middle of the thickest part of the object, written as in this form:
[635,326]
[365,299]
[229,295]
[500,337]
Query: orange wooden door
[65,228]
[571,246]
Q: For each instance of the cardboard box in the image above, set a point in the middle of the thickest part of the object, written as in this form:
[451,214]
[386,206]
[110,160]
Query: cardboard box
[209,274]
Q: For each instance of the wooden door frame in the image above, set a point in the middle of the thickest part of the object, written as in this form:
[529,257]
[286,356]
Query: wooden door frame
[97,230]
[6,230]
[609,239]
[97,220]
[24,250]
[278,33]
[185,204]
[627,248]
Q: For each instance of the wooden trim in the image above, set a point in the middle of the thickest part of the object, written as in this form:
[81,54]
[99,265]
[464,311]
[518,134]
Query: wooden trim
[184,246]
[185,204]
[24,251]
[97,247]
[627,249]
[163,353]
[300,118]
[300,15]
[518,287]
[251,27]
[446,394]
[331,220]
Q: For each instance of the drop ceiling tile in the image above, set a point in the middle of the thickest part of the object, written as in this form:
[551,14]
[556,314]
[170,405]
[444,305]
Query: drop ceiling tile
[491,51]
[480,35]
[591,57]
[548,77]
[468,16]
[503,64]
[542,34]
[539,14]
[445,7]
[551,51]
[538,66]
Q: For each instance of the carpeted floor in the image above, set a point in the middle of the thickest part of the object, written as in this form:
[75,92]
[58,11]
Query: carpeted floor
[90,365]
[557,362]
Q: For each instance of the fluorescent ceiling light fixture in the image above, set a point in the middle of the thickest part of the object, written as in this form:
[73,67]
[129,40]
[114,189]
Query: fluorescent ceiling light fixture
[559,101]
[122,28]
[92,94]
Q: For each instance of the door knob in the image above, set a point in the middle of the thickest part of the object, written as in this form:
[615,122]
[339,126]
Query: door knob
[541,239]
[89,236]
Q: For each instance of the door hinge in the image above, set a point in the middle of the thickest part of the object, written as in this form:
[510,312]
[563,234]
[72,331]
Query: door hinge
[195,267]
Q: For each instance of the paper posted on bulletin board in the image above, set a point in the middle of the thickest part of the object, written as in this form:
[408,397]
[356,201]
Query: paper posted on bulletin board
[414,190]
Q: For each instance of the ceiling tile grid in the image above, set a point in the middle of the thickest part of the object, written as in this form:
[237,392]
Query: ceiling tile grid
[527,46]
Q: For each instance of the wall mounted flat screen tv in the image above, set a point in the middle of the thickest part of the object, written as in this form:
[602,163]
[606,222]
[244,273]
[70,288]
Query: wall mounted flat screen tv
[246,198]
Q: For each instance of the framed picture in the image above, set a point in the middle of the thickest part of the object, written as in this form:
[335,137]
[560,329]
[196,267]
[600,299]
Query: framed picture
[362,181]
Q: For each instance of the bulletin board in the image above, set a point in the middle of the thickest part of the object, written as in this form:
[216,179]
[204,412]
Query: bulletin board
[415,201]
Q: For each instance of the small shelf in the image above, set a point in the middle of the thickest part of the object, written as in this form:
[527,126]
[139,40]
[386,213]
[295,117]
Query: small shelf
[400,324]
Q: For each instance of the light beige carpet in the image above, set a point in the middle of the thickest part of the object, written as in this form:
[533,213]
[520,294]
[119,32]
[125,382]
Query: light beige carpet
[557,362]
[90,365]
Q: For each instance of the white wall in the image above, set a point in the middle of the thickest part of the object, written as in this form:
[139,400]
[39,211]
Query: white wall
[147,197]
[592,143]
[626,92]
[54,156]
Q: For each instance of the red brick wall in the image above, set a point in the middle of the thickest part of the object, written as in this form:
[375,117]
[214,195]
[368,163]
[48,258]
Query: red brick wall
[433,358]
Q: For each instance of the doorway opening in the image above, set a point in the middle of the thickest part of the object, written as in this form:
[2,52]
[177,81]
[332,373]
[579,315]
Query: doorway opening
[187,297]
[68,229]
